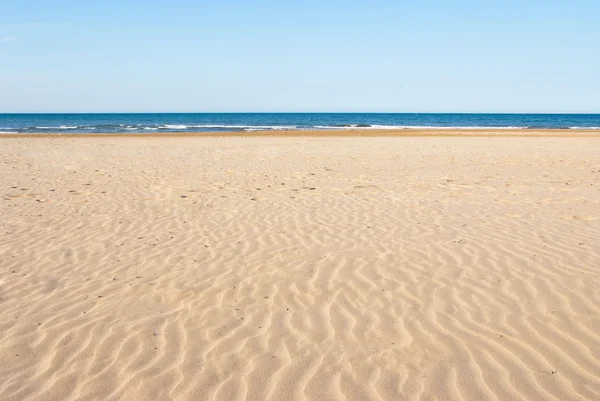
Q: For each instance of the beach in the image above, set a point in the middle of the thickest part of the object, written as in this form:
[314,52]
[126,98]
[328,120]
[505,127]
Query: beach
[313,265]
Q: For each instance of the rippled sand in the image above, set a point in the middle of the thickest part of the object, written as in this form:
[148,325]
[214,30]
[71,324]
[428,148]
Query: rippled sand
[299,269]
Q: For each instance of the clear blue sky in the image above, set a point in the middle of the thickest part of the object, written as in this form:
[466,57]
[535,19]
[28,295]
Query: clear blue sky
[234,55]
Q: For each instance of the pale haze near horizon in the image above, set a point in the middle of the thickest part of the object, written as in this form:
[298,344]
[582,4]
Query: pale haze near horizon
[231,56]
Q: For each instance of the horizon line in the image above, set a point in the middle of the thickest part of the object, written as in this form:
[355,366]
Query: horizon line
[301,112]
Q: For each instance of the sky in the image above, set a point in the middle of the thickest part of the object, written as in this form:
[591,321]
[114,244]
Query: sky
[300,56]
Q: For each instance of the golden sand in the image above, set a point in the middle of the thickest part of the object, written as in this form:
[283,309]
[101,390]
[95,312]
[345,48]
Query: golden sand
[300,268]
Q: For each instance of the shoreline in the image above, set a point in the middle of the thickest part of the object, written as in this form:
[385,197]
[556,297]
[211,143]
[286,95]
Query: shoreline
[405,132]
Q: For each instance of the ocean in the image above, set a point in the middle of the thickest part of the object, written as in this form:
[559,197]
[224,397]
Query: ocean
[224,122]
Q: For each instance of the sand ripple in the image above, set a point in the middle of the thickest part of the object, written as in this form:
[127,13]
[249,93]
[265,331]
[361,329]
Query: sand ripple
[300,269]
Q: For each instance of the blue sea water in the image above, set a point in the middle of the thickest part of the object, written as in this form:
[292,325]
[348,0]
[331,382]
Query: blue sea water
[224,122]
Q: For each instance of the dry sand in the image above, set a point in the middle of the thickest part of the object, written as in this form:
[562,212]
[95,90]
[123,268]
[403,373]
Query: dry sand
[299,268]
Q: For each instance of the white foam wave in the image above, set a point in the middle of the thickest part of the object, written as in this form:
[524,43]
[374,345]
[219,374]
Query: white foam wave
[173,126]
[61,127]
[228,126]
[251,128]
[375,126]
[247,127]
[271,128]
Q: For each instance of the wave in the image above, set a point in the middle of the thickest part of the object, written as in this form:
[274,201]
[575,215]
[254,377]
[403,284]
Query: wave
[248,127]
[191,127]
[61,127]
[173,126]
[227,126]
[367,126]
